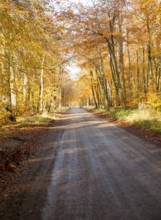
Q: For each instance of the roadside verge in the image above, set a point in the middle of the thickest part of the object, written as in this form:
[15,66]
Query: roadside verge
[134,127]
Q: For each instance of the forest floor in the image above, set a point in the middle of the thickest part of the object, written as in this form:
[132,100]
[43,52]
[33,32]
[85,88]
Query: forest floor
[19,141]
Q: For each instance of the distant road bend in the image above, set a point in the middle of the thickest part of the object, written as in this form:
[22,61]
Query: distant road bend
[98,172]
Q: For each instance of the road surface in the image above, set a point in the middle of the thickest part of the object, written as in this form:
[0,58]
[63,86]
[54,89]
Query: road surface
[100,172]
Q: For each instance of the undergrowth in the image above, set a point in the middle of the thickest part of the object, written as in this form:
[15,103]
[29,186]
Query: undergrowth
[141,118]
[35,119]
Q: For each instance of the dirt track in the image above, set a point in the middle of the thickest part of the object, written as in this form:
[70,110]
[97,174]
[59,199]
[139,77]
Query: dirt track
[90,169]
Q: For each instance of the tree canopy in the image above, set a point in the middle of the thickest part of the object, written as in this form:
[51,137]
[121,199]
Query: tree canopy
[117,45]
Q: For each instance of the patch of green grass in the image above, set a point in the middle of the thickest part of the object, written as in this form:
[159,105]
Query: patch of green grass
[141,118]
[34,120]
[122,113]
[144,118]
[153,124]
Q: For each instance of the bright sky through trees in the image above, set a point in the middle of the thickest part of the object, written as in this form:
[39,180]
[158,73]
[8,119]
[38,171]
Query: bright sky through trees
[82,1]
[74,71]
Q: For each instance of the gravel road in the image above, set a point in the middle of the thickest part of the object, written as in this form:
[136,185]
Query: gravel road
[91,170]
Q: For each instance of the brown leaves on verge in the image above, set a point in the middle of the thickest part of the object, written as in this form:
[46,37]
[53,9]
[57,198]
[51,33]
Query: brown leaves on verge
[16,146]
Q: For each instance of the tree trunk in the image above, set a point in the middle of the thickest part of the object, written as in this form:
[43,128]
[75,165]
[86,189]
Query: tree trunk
[12,83]
[25,83]
[121,63]
[93,90]
[137,75]
[41,90]
[143,72]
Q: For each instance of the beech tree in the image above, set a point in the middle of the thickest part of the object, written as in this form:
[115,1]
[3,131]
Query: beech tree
[31,61]
[116,43]
[126,39]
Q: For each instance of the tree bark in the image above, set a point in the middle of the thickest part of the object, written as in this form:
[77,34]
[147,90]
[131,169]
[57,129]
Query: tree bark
[41,90]
[12,83]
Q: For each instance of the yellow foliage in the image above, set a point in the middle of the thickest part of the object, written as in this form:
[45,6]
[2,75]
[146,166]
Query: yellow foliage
[154,100]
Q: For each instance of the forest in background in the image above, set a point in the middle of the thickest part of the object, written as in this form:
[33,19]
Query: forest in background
[116,43]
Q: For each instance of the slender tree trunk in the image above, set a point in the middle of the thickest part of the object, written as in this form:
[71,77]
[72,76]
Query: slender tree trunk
[157,74]
[104,84]
[137,75]
[41,90]
[114,63]
[12,83]
[121,63]
[143,72]
[25,85]
[93,90]
[150,64]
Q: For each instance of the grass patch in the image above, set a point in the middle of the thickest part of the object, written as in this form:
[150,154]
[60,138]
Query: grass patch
[144,118]
[153,124]
[35,119]
[121,114]
[139,118]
